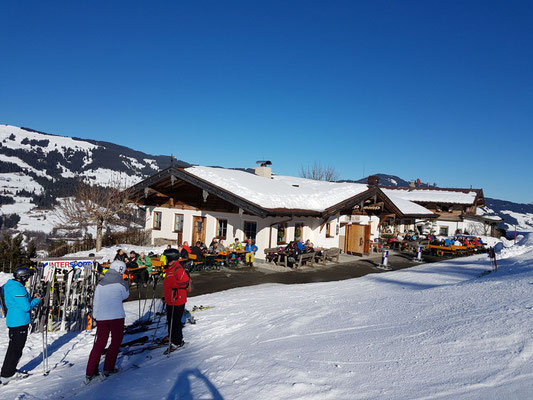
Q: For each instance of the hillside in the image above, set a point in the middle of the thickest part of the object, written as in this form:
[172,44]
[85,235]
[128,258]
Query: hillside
[37,168]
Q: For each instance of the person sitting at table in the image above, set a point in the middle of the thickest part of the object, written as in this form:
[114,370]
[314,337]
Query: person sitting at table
[251,249]
[144,261]
[447,242]
[198,251]
[291,251]
[214,249]
[140,276]
[184,258]
[183,252]
[301,245]
[235,246]
[213,242]
[186,247]
[221,245]
[121,256]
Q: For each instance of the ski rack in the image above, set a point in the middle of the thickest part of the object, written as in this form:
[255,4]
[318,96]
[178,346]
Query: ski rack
[67,286]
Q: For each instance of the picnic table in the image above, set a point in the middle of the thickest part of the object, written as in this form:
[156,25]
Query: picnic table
[279,256]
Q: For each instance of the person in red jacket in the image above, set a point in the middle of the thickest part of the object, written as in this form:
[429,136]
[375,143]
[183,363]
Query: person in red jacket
[176,285]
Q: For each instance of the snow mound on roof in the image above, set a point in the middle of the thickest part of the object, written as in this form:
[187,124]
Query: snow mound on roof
[280,191]
[406,207]
[442,196]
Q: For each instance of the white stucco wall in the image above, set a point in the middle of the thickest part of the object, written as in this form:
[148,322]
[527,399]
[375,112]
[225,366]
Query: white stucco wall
[266,236]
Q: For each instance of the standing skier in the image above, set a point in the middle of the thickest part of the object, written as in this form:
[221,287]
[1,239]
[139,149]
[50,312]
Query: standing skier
[176,285]
[109,314]
[19,306]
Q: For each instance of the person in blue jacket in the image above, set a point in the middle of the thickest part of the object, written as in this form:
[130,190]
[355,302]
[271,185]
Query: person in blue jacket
[19,306]
[251,249]
[301,245]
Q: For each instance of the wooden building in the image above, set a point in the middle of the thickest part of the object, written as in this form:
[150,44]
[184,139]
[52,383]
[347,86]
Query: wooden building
[201,203]
[458,209]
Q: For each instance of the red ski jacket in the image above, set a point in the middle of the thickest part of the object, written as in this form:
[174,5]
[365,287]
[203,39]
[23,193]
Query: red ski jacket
[176,285]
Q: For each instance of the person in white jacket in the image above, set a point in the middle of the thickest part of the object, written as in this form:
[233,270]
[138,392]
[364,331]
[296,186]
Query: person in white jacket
[108,311]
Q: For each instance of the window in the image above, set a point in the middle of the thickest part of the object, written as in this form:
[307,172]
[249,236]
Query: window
[443,231]
[222,228]
[298,230]
[282,233]
[328,230]
[157,220]
[178,222]
[250,229]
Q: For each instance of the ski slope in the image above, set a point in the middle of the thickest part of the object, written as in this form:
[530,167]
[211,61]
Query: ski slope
[448,330]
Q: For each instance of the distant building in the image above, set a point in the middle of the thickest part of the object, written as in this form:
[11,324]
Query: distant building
[458,209]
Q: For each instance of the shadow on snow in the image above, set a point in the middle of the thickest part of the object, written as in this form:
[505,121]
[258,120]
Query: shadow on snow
[182,387]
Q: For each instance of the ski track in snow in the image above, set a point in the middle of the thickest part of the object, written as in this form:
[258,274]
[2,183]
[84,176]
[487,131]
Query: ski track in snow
[436,331]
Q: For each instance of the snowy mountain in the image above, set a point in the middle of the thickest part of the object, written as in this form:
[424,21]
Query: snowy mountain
[37,168]
[384,179]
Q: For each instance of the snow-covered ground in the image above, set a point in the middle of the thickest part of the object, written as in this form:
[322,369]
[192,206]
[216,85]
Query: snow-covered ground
[438,331]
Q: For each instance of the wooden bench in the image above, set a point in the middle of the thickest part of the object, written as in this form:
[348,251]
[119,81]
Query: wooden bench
[330,255]
[272,250]
[198,265]
[305,257]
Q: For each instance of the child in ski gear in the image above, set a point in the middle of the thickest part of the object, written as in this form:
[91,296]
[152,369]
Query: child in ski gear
[176,285]
[108,311]
[19,306]
[251,249]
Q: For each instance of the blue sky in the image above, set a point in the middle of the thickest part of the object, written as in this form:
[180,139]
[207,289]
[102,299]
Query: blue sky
[436,90]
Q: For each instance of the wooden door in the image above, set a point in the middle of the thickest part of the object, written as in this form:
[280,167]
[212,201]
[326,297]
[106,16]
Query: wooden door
[355,239]
[367,239]
[198,230]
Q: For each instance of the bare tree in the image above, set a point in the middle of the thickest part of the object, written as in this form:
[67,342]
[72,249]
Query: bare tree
[96,205]
[319,172]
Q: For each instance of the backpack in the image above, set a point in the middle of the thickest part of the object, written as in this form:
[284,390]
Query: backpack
[3,310]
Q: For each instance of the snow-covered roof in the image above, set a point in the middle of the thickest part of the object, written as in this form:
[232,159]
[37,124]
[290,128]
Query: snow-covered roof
[280,191]
[434,196]
[289,192]
[408,207]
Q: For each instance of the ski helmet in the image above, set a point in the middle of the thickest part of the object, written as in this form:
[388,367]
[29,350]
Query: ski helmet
[22,274]
[119,266]
[171,255]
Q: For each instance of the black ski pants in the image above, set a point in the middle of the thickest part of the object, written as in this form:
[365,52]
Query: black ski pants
[174,314]
[17,340]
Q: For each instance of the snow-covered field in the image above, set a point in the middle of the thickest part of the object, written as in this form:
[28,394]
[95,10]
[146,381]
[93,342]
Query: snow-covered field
[436,331]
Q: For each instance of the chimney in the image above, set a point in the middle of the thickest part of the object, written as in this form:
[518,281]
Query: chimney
[263,169]
[373,180]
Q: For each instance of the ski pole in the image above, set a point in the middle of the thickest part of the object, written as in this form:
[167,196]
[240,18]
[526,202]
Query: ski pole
[44,367]
[155,278]
[171,322]
[158,320]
